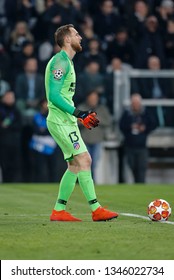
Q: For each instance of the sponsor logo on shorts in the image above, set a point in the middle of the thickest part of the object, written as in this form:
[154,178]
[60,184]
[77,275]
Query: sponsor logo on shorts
[76,146]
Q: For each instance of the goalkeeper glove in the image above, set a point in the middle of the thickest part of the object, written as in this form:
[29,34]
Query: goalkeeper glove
[87,118]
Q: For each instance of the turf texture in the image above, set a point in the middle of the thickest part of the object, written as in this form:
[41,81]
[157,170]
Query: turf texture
[27,234]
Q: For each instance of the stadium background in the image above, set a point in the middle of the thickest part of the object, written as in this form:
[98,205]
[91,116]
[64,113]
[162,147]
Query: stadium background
[26,232]
[110,29]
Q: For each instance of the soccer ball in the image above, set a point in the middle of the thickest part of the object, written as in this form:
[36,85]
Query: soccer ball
[159,210]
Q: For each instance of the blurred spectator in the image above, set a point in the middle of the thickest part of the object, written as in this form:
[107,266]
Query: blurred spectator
[118,66]
[154,64]
[5,64]
[8,17]
[44,157]
[98,22]
[169,44]
[89,79]
[10,140]
[122,46]
[87,31]
[18,36]
[150,44]
[137,18]
[50,20]
[126,7]
[107,21]
[40,6]
[45,51]
[157,88]
[19,58]
[58,13]
[136,124]
[70,11]
[81,5]
[93,53]
[4,86]
[27,13]
[164,12]
[148,85]
[29,89]
[93,138]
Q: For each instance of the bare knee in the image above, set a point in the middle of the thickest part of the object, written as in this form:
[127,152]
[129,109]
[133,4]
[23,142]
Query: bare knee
[84,161]
[80,162]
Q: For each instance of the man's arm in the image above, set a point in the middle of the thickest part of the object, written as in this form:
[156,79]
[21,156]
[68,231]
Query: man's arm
[87,118]
[59,69]
[57,99]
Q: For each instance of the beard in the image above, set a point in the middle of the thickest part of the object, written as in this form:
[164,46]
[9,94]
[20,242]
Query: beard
[76,47]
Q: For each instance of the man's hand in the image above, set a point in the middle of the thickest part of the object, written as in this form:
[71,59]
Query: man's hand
[87,118]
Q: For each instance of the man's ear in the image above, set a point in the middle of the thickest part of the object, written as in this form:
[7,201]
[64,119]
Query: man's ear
[67,39]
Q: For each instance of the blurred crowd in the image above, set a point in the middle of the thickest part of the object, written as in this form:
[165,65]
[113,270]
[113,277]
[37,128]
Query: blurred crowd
[117,35]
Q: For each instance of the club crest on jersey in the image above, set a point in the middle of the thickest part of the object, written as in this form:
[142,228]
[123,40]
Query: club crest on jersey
[76,146]
[58,74]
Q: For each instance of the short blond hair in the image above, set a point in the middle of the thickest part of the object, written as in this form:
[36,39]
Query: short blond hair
[61,32]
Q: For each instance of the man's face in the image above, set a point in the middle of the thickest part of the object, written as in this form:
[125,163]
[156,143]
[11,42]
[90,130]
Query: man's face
[8,98]
[154,63]
[31,66]
[75,40]
[136,103]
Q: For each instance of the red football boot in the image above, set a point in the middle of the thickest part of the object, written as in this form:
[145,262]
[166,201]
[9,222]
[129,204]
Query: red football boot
[102,214]
[63,216]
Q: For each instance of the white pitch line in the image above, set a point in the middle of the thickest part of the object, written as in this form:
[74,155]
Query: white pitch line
[122,214]
[143,217]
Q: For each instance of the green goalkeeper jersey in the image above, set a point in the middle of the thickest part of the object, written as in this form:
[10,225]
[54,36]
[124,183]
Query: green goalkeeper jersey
[60,81]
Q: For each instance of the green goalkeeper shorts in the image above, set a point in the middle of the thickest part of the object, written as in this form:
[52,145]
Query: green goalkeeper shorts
[68,138]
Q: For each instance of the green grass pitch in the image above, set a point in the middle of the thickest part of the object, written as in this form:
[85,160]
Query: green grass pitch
[27,234]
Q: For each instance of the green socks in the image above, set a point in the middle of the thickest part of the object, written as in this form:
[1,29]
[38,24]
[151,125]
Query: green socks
[66,188]
[87,185]
[67,185]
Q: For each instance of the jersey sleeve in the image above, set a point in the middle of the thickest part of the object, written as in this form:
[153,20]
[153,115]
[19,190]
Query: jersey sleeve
[59,70]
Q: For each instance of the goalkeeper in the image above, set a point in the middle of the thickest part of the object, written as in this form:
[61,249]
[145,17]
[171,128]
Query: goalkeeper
[62,118]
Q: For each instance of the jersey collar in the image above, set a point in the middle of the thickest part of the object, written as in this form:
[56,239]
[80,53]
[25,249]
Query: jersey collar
[65,55]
